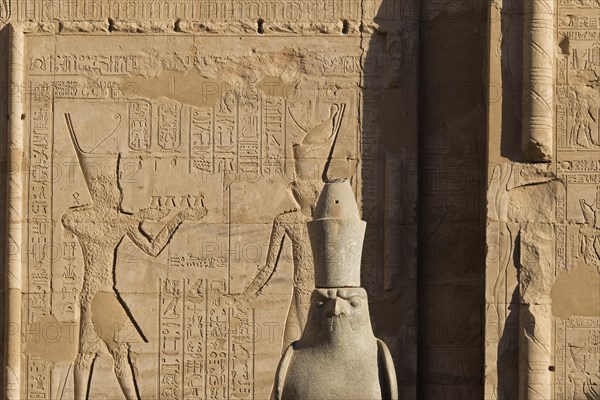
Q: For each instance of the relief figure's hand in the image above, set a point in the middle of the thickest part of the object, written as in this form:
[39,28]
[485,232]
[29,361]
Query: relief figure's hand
[195,212]
[153,213]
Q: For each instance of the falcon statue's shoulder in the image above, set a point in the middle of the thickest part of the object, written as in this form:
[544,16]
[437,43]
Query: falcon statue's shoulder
[389,387]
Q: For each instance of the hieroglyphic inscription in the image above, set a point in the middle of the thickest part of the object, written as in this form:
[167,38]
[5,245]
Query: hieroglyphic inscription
[69,64]
[140,121]
[579,26]
[38,379]
[193,263]
[204,10]
[370,187]
[194,333]
[135,63]
[273,127]
[201,139]
[171,340]
[217,342]
[204,344]
[169,129]
[225,138]
[40,192]
[250,134]
[226,159]
[249,138]
[561,249]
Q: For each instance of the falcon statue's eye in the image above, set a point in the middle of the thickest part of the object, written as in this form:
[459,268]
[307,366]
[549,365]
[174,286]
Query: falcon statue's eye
[355,302]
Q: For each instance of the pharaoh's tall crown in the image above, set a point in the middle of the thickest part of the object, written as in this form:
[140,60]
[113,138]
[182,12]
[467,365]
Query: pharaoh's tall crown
[336,235]
[93,163]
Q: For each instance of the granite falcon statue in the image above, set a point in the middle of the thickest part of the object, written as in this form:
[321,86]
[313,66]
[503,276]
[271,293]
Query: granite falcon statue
[338,356]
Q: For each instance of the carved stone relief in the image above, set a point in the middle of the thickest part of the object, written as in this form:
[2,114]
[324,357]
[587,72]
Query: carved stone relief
[169,169]
[542,294]
[106,190]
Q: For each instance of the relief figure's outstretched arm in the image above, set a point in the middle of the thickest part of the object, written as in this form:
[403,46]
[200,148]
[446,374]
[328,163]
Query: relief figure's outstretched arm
[264,275]
[153,247]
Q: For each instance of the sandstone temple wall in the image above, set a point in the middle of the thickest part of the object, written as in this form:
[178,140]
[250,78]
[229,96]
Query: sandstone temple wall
[160,160]
[542,276]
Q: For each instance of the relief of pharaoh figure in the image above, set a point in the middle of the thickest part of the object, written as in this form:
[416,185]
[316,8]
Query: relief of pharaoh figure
[312,157]
[589,234]
[585,373]
[100,227]
[581,132]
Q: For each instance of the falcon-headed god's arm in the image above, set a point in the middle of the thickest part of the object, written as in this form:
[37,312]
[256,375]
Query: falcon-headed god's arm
[274,253]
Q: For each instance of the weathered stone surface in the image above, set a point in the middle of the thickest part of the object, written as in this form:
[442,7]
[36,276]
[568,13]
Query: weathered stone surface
[542,279]
[167,158]
[163,160]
